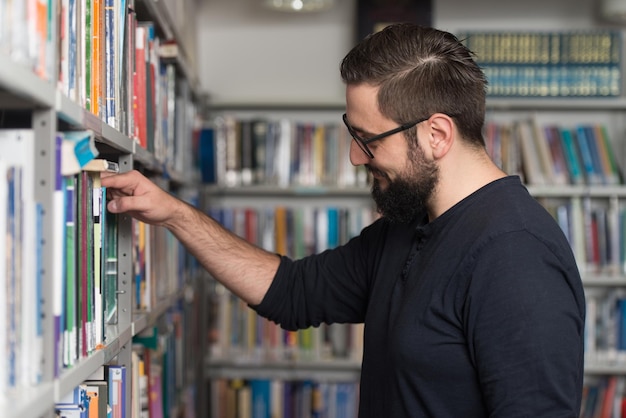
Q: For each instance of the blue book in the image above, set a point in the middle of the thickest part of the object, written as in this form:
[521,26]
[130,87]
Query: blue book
[73,48]
[117,390]
[582,142]
[13,236]
[577,176]
[206,148]
[109,56]
[586,135]
[261,391]
[333,227]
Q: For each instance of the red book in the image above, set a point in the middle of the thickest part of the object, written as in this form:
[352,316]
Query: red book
[140,109]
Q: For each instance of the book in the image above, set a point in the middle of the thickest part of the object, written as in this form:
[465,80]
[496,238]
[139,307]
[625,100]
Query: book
[610,165]
[74,404]
[77,148]
[140,105]
[560,168]
[70,340]
[534,173]
[23,279]
[4,250]
[72,48]
[572,154]
[97,58]
[109,277]
[110,57]
[544,154]
[590,155]
[116,378]
[101,164]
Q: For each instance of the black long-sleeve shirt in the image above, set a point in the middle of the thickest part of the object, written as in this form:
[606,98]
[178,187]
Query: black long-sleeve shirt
[479,313]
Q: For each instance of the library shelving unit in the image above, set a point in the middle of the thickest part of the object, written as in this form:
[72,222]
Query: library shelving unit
[45,96]
[293,209]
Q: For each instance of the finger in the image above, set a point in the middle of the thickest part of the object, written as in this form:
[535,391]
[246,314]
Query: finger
[123,181]
[121,204]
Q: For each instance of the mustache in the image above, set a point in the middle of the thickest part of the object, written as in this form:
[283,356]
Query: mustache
[375,172]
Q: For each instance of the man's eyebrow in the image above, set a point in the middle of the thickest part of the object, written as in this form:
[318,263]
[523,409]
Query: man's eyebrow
[362,130]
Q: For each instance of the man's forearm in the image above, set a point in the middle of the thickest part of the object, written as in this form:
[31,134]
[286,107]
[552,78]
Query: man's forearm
[242,267]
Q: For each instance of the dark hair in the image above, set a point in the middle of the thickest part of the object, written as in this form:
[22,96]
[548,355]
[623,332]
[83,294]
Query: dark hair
[421,71]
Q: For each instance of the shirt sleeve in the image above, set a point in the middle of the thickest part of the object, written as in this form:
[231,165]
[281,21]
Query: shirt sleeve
[525,326]
[330,287]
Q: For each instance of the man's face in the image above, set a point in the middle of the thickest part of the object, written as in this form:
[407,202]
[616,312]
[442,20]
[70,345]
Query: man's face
[404,176]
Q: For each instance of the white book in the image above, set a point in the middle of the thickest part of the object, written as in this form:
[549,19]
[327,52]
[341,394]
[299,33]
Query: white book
[533,170]
[283,157]
[3,276]
[26,337]
[321,231]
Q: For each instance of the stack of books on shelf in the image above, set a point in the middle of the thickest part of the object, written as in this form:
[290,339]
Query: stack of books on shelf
[296,232]
[110,64]
[277,398]
[605,327]
[566,160]
[282,153]
[578,63]
[25,29]
[86,239]
[82,302]
[156,358]
[21,334]
[554,155]
[603,396]
[59,266]
[161,266]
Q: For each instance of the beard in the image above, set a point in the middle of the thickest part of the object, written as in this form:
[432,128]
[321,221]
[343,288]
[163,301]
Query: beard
[406,196]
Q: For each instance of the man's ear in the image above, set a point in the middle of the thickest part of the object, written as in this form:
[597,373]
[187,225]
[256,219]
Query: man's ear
[441,134]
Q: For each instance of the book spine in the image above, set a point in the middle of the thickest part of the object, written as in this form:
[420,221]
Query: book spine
[109,47]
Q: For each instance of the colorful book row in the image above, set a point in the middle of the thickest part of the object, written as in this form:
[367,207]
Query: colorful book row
[83,260]
[605,327]
[242,152]
[581,63]
[295,232]
[25,34]
[603,397]
[265,398]
[152,384]
[84,257]
[85,239]
[594,46]
[21,282]
[161,265]
[554,155]
[238,332]
[596,230]
[103,395]
[110,64]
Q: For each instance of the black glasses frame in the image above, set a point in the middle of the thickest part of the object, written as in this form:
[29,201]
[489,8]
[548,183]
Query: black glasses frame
[362,142]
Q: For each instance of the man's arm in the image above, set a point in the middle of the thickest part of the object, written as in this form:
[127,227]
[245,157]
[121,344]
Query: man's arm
[242,267]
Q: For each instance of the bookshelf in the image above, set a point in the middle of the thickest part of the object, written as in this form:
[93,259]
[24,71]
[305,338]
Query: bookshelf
[290,361]
[35,101]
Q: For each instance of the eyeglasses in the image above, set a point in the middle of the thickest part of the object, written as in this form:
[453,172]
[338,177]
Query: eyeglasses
[362,142]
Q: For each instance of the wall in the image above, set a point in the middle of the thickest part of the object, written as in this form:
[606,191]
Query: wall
[250,56]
